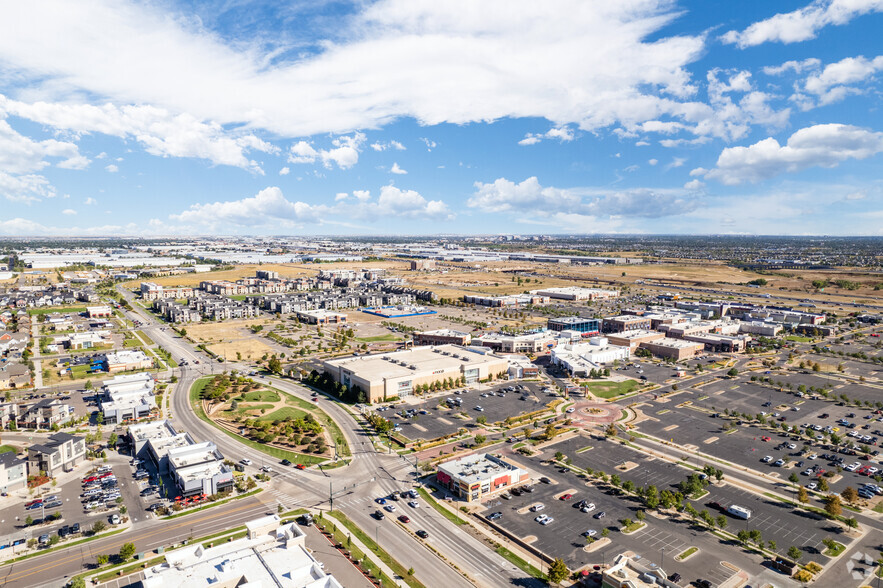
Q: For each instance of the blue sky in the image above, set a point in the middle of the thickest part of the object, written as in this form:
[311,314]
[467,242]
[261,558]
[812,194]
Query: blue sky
[426,117]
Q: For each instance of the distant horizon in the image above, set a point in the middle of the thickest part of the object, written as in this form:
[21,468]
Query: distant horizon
[413,118]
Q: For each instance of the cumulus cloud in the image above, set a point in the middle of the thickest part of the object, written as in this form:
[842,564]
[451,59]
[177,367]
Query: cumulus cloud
[270,207]
[284,171]
[795,66]
[802,24]
[344,152]
[430,144]
[395,169]
[562,134]
[159,131]
[69,212]
[504,195]
[25,188]
[379,146]
[824,145]
[90,201]
[834,81]
[112,168]
[21,155]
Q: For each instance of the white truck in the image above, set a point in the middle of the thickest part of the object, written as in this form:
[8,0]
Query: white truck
[739,511]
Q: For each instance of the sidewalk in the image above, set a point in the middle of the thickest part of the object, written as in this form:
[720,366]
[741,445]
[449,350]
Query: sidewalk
[361,547]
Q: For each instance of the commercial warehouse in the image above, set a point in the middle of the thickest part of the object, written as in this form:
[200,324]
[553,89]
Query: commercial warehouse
[396,374]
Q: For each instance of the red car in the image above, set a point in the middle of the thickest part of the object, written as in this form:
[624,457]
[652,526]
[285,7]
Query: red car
[315,399]
[766,439]
[300,466]
[89,479]
[566,497]
[404,519]
[33,502]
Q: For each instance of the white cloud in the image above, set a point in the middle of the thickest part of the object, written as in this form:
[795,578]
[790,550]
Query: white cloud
[857,195]
[694,185]
[430,144]
[823,145]
[90,201]
[284,171]
[112,168]
[269,207]
[21,155]
[395,169]
[652,161]
[562,134]
[832,83]
[69,212]
[344,152]
[529,197]
[159,131]
[379,146]
[676,162]
[571,62]
[802,24]
[795,66]
[25,188]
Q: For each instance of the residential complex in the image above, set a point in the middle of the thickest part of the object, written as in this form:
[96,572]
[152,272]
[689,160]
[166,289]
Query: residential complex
[60,453]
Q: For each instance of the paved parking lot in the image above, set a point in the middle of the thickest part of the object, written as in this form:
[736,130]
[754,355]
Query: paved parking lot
[744,445]
[444,421]
[12,518]
[659,539]
[775,520]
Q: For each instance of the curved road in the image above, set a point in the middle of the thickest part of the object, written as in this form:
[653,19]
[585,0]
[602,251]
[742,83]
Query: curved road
[370,474]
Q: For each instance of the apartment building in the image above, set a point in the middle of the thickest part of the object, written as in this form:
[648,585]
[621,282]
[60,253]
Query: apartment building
[61,452]
[13,472]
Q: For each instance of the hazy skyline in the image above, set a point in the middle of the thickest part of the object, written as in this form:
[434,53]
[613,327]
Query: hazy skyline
[420,117]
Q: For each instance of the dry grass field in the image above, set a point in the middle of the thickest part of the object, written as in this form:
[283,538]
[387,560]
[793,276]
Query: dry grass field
[231,337]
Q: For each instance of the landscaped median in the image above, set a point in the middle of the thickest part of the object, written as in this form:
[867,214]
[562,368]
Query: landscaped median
[276,452]
[61,546]
[381,553]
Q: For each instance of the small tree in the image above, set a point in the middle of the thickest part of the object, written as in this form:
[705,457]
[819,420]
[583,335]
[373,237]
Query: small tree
[849,494]
[795,553]
[832,505]
[127,551]
[98,527]
[558,571]
[733,372]
[802,495]
[102,559]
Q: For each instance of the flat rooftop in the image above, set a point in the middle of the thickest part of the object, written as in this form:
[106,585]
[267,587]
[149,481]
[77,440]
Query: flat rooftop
[674,343]
[475,468]
[198,453]
[425,358]
[155,430]
[444,333]
[639,334]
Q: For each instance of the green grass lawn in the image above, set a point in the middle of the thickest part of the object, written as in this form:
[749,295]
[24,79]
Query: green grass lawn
[609,390]
[51,309]
[242,408]
[388,337]
[280,454]
[283,413]
[799,339]
[147,340]
[8,449]
[259,396]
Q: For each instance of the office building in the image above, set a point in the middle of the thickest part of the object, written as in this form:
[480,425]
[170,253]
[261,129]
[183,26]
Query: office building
[587,326]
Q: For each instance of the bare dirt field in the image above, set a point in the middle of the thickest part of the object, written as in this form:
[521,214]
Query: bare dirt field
[229,337]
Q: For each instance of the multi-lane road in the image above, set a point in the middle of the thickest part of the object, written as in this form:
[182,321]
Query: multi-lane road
[369,475]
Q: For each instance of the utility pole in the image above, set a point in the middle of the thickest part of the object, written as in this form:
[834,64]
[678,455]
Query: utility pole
[330,495]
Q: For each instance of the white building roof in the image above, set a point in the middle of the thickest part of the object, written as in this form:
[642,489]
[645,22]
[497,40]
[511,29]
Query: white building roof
[277,560]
